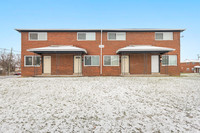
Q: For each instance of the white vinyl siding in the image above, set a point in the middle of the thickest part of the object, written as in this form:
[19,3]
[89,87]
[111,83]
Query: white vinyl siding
[169,60]
[30,60]
[164,36]
[111,60]
[38,36]
[90,36]
[116,35]
[91,60]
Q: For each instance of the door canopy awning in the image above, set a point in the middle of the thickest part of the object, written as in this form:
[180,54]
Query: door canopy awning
[144,49]
[58,49]
[196,66]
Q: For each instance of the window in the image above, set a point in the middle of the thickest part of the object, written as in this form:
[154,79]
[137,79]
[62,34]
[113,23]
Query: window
[31,60]
[86,36]
[28,60]
[192,69]
[188,63]
[116,35]
[164,36]
[193,62]
[188,69]
[91,60]
[111,60]
[169,60]
[38,36]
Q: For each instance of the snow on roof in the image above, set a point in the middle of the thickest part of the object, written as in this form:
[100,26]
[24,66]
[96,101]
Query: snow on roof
[188,60]
[60,48]
[144,48]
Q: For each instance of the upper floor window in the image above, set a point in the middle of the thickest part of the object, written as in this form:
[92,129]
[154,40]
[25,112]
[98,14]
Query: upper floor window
[37,36]
[164,35]
[169,60]
[86,36]
[31,60]
[116,35]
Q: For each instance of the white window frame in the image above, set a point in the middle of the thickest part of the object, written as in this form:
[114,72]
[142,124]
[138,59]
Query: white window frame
[91,61]
[111,60]
[116,36]
[86,36]
[176,60]
[36,39]
[163,36]
[32,61]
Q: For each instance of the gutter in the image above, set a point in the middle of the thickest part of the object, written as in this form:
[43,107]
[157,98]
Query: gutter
[101,50]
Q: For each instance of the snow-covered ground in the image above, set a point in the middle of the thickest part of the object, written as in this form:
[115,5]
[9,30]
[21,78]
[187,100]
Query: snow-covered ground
[100,104]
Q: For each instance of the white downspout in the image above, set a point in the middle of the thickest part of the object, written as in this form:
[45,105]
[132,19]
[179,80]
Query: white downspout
[101,55]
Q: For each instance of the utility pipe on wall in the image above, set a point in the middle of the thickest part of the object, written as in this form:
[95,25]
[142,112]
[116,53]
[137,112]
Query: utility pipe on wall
[101,60]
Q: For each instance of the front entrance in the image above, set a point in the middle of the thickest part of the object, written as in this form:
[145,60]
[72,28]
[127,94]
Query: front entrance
[47,64]
[125,64]
[77,65]
[155,64]
[196,70]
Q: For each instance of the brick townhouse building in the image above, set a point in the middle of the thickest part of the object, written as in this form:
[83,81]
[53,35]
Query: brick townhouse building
[100,52]
[190,66]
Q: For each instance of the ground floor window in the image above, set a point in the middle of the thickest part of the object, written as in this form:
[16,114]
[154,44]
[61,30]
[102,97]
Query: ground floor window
[91,60]
[111,60]
[188,69]
[169,60]
[31,60]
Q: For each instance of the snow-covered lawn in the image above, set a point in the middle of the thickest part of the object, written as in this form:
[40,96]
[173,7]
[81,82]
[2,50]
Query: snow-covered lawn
[100,104]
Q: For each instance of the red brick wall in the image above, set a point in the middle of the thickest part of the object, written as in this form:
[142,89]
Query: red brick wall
[62,64]
[91,70]
[189,65]
[140,63]
[92,47]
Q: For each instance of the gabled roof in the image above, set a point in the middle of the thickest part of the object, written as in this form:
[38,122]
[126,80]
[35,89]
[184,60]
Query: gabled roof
[58,49]
[144,49]
[99,30]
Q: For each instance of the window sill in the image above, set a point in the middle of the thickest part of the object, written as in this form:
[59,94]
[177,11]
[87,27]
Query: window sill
[169,65]
[116,40]
[164,40]
[37,40]
[86,40]
[110,66]
[31,66]
[91,66]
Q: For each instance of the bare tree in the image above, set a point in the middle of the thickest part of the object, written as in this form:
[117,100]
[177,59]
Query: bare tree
[9,61]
